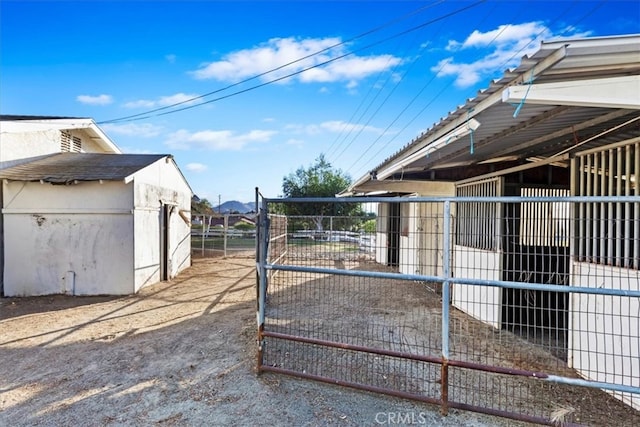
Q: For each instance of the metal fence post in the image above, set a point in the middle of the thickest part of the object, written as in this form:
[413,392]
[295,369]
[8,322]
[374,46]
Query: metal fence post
[203,236]
[262,277]
[226,234]
[446,261]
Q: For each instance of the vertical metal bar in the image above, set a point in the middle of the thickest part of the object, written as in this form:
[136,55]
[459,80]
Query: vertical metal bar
[226,233]
[603,214]
[262,283]
[627,207]
[446,297]
[588,213]
[619,219]
[610,233]
[257,249]
[636,207]
[594,211]
[579,191]
[203,233]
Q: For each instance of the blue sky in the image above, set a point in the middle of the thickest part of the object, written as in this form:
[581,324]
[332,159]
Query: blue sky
[355,81]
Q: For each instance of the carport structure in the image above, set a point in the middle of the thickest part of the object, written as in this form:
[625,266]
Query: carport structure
[565,122]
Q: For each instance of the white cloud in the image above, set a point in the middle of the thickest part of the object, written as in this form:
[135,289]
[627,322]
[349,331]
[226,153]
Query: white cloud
[162,101]
[277,52]
[171,58]
[332,126]
[295,142]
[144,130]
[196,167]
[503,47]
[220,140]
[95,100]
[340,126]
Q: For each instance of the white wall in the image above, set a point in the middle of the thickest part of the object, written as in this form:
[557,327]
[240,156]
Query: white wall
[482,302]
[158,184]
[408,261]
[64,239]
[28,145]
[604,331]
[382,227]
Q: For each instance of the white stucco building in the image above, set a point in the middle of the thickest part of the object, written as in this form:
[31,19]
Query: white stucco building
[81,218]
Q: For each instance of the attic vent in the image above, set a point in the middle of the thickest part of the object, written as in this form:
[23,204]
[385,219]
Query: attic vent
[65,142]
[76,145]
[69,144]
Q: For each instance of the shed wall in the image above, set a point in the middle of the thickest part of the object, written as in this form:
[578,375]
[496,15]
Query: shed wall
[64,239]
[158,185]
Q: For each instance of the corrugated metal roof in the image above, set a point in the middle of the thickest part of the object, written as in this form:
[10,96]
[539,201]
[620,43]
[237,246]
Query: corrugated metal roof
[66,168]
[540,130]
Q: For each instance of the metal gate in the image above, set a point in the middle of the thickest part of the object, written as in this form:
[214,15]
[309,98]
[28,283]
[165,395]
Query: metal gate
[332,307]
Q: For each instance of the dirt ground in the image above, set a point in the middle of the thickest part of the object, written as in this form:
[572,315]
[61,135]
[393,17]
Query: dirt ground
[178,353]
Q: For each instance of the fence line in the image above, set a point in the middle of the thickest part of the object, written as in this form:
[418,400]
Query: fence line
[359,308]
[215,235]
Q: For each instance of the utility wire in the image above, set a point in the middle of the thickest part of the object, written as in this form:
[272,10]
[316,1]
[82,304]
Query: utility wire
[502,66]
[342,137]
[150,113]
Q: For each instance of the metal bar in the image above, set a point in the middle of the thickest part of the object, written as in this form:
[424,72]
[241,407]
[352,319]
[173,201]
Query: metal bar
[627,208]
[353,347]
[446,298]
[610,230]
[619,237]
[458,363]
[461,199]
[603,214]
[262,284]
[461,280]
[203,235]
[636,207]
[226,232]
[594,220]
[358,386]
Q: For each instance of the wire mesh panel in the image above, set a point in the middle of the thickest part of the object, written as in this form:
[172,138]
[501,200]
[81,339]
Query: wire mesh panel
[223,235]
[390,295]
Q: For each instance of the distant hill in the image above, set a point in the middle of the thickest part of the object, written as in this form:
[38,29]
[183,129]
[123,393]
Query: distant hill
[235,206]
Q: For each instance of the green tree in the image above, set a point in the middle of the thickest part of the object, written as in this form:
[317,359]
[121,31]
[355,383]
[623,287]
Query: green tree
[201,206]
[318,180]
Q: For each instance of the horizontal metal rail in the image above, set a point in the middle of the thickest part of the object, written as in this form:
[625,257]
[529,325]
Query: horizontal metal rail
[459,281]
[461,199]
[398,393]
[458,363]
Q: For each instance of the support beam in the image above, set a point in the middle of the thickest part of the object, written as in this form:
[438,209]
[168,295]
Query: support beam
[612,92]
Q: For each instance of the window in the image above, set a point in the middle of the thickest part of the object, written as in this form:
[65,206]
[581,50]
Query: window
[544,223]
[477,222]
[609,232]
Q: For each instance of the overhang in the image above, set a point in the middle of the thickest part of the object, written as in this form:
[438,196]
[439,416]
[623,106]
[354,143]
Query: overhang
[571,95]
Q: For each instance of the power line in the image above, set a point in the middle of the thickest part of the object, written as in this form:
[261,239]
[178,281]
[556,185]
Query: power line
[150,113]
[565,11]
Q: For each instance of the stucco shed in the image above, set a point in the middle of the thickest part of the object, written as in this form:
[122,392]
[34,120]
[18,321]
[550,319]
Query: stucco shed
[94,224]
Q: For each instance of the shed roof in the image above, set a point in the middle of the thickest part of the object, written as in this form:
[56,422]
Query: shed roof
[488,129]
[65,168]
